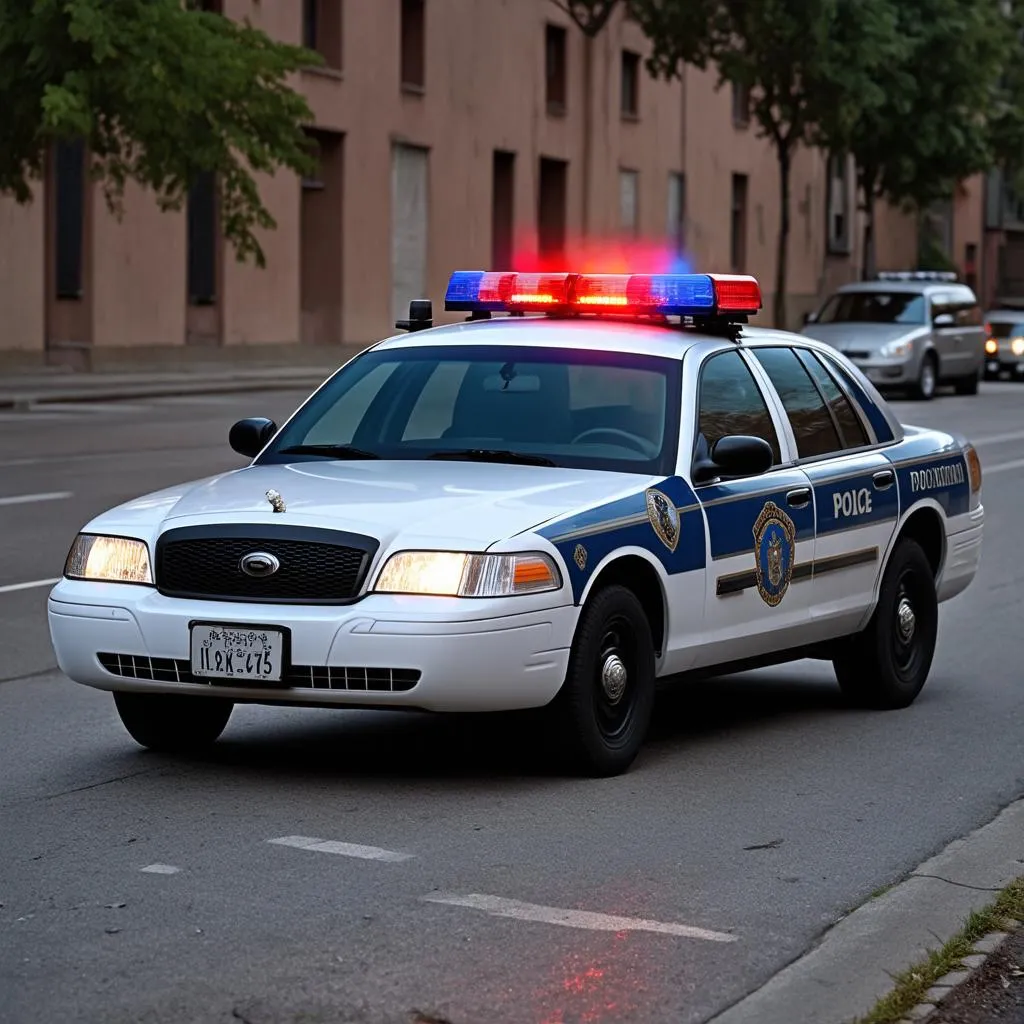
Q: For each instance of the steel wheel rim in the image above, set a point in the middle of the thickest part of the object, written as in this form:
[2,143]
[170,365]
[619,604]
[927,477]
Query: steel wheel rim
[906,627]
[928,378]
[615,679]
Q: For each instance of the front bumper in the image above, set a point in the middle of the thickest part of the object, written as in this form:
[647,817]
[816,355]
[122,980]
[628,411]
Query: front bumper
[459,655]
[891,373]
[1004,362]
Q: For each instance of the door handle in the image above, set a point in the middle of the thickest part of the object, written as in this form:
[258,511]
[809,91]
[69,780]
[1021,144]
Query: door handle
[799,498]
[883,479]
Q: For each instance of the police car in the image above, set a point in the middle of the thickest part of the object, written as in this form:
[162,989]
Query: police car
[591,483]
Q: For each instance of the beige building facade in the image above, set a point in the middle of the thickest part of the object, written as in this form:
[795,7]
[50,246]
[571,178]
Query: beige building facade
[454,134]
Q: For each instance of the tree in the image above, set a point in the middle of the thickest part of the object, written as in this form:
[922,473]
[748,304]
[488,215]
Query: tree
[160,94]
[807,63]
[590,17]
[940,104]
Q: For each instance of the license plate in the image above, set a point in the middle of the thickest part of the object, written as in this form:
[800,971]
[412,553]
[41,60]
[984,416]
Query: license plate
[237,652]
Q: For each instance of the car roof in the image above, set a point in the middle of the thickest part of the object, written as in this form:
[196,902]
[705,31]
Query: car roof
[914,287]
[592,333]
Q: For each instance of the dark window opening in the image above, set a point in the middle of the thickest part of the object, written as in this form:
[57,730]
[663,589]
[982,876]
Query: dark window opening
[414,39]
[738,224]
[740,105]
[630,98]
[555,42]
[320,244]
[321,29]
[731,403]
[551,215]
[69,187]
[202,241]
[502,210]
[814,429]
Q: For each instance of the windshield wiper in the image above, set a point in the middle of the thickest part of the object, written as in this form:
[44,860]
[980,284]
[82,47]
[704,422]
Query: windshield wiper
[493,455]
[331,451]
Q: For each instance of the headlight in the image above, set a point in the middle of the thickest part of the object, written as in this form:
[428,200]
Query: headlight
[896,349]
[992,346]
[115,559]
[1017,346]
[455,574]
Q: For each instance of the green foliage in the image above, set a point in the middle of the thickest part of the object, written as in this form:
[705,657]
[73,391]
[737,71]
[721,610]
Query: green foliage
[1006,119]
[161,93]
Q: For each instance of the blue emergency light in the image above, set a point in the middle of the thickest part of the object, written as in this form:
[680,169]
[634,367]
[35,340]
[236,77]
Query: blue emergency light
[719,296]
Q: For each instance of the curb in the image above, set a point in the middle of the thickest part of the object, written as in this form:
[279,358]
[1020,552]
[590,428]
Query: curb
[969,966]
[128,392]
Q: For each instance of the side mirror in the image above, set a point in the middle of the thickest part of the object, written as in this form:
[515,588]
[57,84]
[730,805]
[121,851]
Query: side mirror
[810,317]
[735,455]
[944,320]
[249,437]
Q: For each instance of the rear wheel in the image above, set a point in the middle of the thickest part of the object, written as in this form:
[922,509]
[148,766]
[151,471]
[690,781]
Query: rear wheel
[927,378]
[886,665]
[603,710]
[172,723]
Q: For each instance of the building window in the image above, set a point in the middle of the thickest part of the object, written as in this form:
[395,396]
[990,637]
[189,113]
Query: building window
[555,68]
[629,186]
[740,105]
[675,227]
[840,237]
[630,98]
[738,224]
[69,188]
[202,241]
[554,175]
[502,210]
[414,41]
[321,29]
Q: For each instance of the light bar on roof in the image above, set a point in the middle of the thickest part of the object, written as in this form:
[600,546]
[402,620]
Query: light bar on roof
[692,295]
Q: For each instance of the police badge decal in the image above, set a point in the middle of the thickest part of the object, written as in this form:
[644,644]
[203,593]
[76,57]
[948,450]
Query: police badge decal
[774,553]
[664,517]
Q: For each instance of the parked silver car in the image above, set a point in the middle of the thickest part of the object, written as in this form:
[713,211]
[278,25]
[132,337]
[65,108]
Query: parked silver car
[907,330]
[1004,343]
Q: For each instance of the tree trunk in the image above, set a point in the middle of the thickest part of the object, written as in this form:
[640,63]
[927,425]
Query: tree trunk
[782,256]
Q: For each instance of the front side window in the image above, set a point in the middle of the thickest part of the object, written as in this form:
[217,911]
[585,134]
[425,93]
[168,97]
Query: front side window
[813,427]
[573,408]
[879,307]
[731,403]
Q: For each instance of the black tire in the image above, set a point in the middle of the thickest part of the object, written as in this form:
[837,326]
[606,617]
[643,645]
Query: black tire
[601,715]
[927,378]
[172,723]
[968,385]
[885,666]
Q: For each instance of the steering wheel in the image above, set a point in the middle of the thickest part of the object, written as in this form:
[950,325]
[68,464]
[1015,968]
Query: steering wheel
[633,440]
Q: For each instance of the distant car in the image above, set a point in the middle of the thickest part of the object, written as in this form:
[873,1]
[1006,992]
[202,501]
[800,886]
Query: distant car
[907,331]
[1004,344]
[545,512]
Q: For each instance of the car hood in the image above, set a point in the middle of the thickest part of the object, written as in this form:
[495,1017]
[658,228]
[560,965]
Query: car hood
[436,504]
[854,337]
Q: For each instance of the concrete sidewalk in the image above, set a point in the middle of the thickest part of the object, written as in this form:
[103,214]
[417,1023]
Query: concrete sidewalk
[23,390]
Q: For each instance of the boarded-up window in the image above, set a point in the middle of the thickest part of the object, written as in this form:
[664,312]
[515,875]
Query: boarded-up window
[628,201]
[408,228]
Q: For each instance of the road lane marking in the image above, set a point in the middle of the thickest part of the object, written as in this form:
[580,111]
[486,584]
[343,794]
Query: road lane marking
[342,849]
[585,919]
[28,499]
[9,588]
[1001,467]
[160,869]
[997,438]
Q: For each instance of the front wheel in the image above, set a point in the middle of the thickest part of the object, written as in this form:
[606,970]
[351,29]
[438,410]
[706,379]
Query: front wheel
[603,710]
[171,723]
[886,665]
[927,378]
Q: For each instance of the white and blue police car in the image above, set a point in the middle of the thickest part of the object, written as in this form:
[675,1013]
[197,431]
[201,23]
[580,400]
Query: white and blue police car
[591,483]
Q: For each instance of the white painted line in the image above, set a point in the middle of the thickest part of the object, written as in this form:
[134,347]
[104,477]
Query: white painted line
[1001,467]
[9,588]
[500,907]
[160,869]
[342,849]
[28,499]
[997,438]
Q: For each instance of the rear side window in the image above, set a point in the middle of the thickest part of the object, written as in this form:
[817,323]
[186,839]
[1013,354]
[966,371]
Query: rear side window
[732,403]
[851,430]
[813,427]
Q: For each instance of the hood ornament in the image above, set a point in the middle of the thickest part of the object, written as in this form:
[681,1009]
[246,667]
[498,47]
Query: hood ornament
[276,501]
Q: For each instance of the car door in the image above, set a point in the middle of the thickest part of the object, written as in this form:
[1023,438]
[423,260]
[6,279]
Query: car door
[760,529]
[946,337]
[855,494]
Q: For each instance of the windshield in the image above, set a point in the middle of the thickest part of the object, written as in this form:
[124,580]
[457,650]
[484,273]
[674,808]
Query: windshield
[1004,330]
[572,408]
[874,308]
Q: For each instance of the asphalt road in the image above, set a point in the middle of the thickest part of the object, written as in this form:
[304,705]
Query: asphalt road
[139,887]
